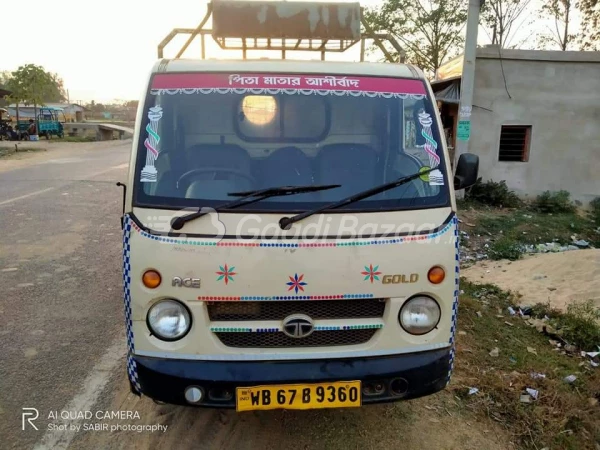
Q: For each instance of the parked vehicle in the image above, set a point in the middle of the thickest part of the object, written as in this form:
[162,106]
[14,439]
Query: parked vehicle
[290,230]
[5,121]
[49,122]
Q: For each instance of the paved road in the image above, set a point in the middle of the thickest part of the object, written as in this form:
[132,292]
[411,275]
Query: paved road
[60,277]
[62,343]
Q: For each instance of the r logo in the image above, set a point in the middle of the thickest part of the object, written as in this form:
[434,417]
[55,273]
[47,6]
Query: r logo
[30,412]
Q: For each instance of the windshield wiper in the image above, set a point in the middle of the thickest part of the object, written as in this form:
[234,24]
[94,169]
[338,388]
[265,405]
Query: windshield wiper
[285,222]
[248,197]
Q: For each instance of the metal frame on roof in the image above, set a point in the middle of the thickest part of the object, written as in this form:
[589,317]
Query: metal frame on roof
[322,37]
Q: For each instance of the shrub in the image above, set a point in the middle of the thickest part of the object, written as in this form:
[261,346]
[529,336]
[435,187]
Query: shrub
[493,193]
[505,248]
[554,202]
[595,210]
[579,325]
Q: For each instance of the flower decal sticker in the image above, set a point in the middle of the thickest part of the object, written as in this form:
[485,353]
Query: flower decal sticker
[296,283]
[371,273]
[226,273]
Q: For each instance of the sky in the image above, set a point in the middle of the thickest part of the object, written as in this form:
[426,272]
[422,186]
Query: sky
[105,50]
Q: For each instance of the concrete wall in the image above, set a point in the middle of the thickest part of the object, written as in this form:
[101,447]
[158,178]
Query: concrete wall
[558,94]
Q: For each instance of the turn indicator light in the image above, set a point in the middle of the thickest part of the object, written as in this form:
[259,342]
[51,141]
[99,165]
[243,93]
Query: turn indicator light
[151,279]
[436,275]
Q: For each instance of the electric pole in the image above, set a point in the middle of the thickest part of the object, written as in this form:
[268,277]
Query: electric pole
[463,132]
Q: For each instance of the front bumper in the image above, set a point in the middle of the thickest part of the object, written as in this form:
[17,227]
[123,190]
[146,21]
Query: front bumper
[415,375]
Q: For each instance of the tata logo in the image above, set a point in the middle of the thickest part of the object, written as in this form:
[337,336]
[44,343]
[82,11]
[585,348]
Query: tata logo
[400,278]
[185,282]
[298,326]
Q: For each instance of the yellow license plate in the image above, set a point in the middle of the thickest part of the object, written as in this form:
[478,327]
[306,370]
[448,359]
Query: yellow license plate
[340,394]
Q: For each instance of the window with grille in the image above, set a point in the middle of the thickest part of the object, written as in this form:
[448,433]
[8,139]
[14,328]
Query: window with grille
[514,143]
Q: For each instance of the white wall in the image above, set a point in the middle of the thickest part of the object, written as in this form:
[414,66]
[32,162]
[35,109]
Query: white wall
[558,94]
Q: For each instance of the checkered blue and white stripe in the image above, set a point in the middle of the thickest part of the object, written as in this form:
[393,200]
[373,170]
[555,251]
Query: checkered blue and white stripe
[455,302]
[131,364]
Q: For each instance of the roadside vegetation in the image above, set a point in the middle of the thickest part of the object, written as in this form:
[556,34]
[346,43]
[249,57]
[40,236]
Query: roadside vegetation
[87,138]
[493,193]
[535,371]
[503,226]
[9,149]
[503,355]
[595,210]
[577,326]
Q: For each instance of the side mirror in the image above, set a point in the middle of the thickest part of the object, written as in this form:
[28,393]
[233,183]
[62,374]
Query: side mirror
[467,170]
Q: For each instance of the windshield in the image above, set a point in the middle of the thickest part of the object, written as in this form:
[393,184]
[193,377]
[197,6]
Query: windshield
[207,135]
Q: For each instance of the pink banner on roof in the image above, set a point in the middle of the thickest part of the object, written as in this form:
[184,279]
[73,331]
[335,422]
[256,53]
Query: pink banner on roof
[282,81]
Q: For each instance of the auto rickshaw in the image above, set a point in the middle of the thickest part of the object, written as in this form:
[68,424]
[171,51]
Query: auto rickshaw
[49,122]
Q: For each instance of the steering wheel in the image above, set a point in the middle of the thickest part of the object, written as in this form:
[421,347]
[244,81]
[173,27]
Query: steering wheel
[215,170]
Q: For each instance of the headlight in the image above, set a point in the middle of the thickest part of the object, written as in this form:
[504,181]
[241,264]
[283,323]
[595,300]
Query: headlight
[169,320]
[419,315]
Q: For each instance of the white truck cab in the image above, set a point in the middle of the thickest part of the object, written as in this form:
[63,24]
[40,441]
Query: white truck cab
[290,231]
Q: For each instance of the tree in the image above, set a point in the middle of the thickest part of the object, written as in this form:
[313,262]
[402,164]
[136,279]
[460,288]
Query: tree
[57,92]
[429,30]
[589,38]
[561,12]
[4,76]
[32,85]
[95,107]
[500,17]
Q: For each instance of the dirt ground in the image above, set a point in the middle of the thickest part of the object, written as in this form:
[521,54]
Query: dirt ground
[47,150]
[433,422]
[558,278]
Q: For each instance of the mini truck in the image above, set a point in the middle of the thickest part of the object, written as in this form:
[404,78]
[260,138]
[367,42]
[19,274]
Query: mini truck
[290,237]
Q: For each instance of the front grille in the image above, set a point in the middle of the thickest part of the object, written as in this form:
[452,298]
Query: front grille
[328,338]
[315,309]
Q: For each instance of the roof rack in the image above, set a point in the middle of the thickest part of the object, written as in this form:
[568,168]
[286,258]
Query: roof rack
[284,26]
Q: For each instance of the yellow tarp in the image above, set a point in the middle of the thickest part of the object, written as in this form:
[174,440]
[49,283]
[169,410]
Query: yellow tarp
[452,68]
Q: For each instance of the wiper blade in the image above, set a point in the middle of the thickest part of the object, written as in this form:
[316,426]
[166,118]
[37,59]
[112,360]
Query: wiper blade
[285,222]
[248,197]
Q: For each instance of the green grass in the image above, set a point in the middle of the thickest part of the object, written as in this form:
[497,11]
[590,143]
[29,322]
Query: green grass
[530,227]
[7,152]
[580,324]
[513,341]
[77,139]
[506,248]
[550,217]
[561,417]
